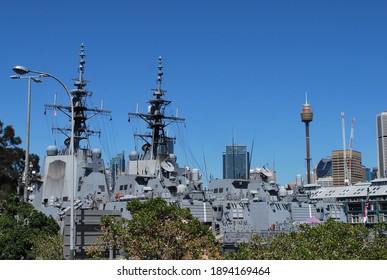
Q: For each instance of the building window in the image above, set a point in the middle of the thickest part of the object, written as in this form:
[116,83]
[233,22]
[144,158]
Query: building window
[355,207]
[383,218]
[383,206]
[354,219]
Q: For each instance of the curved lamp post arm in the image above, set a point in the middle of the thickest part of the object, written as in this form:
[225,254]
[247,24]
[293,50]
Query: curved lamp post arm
[21,70]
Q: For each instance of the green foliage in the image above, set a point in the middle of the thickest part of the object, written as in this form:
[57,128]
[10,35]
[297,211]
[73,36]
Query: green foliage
[12,160]
[158,231]
[26,233]
[329,241]
[11,164]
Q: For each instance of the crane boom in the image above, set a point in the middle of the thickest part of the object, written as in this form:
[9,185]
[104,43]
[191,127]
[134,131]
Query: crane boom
[346,179]
[350,149]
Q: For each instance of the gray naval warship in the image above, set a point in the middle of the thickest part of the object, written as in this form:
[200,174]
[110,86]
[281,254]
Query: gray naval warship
[235,209]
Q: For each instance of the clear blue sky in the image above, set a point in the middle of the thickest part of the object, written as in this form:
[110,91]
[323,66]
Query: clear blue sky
[234,69]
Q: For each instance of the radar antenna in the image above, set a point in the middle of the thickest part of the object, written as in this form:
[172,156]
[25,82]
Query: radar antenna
[157,120]
[81,112]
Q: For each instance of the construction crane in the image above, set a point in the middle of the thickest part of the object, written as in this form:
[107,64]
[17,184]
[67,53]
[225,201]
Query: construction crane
[347,164]
[350,150]
[346,177]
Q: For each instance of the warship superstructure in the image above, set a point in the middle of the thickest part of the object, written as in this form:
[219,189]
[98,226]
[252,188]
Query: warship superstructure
[81,174]
[259,206]
[153,171]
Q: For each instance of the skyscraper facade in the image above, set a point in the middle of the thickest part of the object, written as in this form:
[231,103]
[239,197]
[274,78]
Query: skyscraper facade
[236,162]
[351,171]
[381,131]
[117,164]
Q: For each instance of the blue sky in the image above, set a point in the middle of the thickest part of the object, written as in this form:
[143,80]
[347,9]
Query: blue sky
[234,69]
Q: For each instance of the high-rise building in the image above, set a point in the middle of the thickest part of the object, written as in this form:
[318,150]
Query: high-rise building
[324,172]
[353,168]
[117,164]
[381,131]
[371,173]
[236,162]
[324,168]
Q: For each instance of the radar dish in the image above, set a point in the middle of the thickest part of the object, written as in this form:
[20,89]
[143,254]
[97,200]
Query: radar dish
[145,147]
[167,166]
[266,172]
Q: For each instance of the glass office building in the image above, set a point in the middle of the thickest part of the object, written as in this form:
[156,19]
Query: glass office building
[236,162]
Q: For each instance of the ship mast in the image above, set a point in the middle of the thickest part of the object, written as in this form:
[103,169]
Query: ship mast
[156,119]
[79,94]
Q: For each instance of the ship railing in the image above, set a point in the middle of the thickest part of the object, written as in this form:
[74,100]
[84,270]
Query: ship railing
[237,237]
[246,237]
[270,233]
[241,237]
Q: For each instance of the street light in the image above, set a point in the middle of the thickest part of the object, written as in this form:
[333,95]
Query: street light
[27,162]
[21,70]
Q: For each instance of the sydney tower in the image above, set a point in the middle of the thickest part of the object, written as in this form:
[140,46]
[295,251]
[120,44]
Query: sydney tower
[307,117]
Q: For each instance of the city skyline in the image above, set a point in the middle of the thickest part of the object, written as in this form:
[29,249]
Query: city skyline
[234,71]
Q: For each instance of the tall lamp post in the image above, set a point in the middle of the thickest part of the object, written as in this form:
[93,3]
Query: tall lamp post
[21,70]
[27,161]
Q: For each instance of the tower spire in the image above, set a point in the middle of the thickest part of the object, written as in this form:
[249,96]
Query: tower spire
[307,117]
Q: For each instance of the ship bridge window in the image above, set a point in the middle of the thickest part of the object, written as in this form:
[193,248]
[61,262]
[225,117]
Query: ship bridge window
[215,190]
[101,188]
[220,190]
[125,187]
